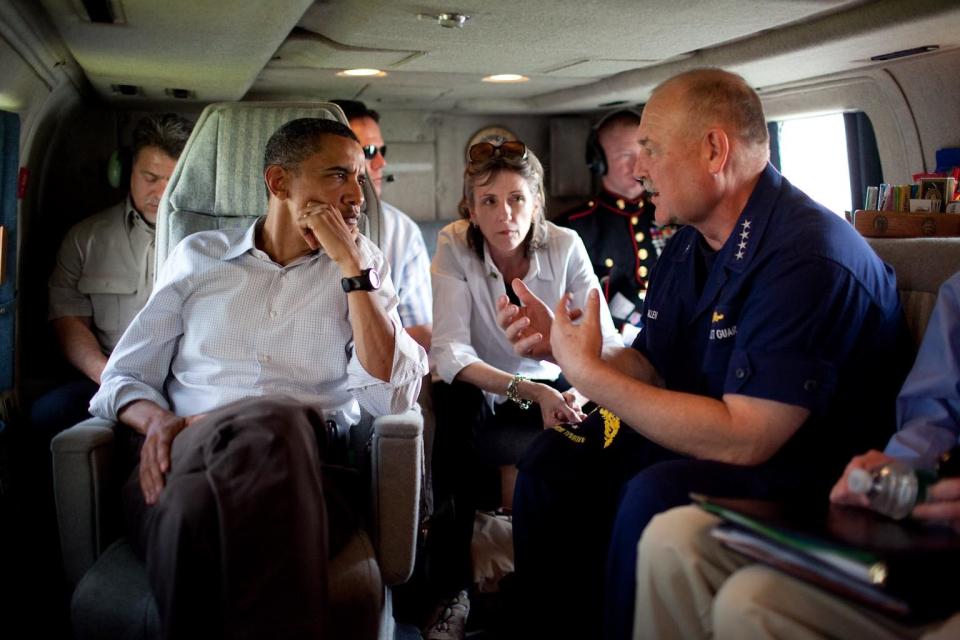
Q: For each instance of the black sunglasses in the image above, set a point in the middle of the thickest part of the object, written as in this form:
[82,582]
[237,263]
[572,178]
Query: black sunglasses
[370,150]
[508,150]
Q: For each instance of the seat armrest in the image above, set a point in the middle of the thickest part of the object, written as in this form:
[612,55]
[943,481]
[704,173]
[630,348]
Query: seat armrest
[82,464]
[397,469]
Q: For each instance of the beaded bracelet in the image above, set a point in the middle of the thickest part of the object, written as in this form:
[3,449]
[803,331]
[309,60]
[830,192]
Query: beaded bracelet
[513,393]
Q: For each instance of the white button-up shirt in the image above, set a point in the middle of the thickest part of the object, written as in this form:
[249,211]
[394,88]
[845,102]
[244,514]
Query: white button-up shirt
[225,322]
[403,246]
[465,291]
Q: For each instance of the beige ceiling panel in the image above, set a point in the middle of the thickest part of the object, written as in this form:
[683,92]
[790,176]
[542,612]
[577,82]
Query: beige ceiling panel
[294,84]
[402,93]
[597,68]
[215,49]
[526,37]
[322,53]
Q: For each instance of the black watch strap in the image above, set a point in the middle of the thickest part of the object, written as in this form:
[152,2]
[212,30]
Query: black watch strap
[368,280]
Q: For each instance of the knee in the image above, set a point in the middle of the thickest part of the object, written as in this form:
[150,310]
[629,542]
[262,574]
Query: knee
[186,503]
[675,534]
[742,603]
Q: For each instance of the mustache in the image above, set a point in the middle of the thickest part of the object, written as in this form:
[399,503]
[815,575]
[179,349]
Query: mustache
[648,185]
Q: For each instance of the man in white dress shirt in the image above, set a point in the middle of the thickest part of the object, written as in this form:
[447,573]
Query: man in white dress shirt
[227,505]
[402,242]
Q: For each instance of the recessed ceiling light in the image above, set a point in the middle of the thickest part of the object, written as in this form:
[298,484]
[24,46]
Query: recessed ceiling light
[506,77]
[372,73]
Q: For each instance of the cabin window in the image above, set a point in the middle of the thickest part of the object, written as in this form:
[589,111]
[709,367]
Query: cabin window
[831,157]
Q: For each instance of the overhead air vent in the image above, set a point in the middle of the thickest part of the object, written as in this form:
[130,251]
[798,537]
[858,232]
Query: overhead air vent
[102,11]
[129,90]
[893,55]
[180,94]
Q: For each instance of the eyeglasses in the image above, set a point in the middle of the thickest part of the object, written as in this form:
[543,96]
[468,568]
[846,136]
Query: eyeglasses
[508,150]
[370,151]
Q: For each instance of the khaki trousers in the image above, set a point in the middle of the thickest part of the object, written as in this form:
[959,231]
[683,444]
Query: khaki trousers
[690,586]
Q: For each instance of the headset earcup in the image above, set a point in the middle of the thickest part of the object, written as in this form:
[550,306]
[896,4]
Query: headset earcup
[596,159]
[119,167]
[114,169]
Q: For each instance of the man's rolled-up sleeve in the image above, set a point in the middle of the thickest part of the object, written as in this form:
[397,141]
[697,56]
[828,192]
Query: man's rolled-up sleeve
[399,393]
[793,335]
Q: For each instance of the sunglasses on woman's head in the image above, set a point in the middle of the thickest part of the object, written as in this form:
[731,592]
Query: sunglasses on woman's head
[509,150]
[370,150]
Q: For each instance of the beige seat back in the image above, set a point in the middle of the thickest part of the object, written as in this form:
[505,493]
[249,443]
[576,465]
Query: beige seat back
[922,265]
[218,182]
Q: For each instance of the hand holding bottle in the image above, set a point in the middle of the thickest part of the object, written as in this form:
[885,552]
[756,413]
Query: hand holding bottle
[841,492]
[895,489]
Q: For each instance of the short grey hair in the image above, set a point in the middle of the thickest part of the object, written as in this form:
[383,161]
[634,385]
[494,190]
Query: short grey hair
[716,95]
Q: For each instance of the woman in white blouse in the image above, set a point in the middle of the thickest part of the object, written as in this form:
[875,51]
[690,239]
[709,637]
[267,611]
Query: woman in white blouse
[484,415]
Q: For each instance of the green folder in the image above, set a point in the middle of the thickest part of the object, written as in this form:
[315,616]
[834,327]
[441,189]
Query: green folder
[893,566]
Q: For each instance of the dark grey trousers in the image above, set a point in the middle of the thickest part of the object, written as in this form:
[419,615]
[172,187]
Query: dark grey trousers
[238,543]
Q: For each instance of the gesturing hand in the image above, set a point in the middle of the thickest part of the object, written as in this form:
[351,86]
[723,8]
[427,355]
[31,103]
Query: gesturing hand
[527,326]
[575,346]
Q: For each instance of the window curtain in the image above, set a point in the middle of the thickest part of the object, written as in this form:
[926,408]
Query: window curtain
[774,130]
[862,156]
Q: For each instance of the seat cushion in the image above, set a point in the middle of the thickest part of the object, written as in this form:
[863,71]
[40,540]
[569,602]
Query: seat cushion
[357,595]
[113,600]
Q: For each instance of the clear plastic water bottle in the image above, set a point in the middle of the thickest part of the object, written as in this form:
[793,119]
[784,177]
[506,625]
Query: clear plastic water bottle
[892,489]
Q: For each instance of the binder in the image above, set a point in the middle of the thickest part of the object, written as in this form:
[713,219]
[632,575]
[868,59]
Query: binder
[896,567]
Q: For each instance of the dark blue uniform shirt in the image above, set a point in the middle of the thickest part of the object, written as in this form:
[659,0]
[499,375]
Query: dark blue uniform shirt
[795,307]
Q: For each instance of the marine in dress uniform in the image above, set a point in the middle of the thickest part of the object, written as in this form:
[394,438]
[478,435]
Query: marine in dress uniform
[623,242]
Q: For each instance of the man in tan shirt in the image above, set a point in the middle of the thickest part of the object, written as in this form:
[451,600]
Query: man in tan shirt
[104,271]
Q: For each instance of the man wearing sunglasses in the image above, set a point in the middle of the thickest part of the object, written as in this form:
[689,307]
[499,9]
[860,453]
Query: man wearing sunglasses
[617,224]
[402,242]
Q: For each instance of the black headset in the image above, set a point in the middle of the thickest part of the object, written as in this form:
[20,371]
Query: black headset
[595,157]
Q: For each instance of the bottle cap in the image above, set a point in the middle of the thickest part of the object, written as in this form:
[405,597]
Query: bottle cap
[860,481]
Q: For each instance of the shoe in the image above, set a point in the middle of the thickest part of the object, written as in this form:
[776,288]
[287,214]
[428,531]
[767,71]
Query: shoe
[449,621]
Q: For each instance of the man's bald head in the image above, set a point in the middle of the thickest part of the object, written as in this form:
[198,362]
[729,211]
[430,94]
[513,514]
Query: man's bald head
[714,97]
